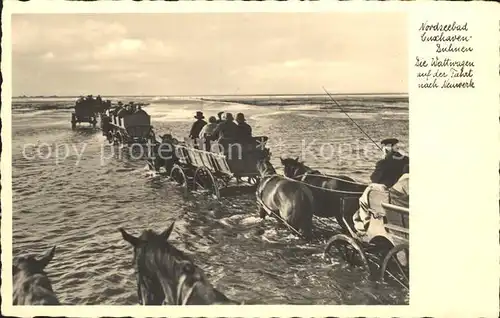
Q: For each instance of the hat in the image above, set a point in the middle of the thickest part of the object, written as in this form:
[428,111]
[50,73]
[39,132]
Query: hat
[212,119]
[389,142]
[240,117]
[229,116]
[199,115]
[219,114]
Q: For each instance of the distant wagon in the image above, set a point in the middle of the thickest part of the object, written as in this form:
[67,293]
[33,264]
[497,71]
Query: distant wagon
[127,125]
[85,112]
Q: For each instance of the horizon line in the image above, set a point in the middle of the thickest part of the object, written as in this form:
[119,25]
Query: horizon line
[201,95]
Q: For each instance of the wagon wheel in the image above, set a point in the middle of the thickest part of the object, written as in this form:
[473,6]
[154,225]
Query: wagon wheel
[178,175]
[396,265]
[349,250]
[204,178]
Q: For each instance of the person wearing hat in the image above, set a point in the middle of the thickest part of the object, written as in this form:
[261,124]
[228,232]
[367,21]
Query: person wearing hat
[391,168]
[197,125]
[244,130]
[226,129]
[219,116]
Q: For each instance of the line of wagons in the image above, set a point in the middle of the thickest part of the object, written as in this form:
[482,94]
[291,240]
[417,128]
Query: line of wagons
[383,251]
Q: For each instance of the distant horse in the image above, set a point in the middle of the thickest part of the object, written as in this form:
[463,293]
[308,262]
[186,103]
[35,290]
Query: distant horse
[289,199]
[328,203]
[166,275]
[30,283]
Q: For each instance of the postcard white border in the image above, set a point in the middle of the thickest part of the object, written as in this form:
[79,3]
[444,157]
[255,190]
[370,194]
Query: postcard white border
[439,225]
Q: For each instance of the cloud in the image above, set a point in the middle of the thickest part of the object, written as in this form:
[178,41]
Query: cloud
[118,48]
[202,53]
[29,35]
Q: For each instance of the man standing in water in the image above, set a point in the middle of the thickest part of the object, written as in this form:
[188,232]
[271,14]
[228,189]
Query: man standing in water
[391,168]
[197,125]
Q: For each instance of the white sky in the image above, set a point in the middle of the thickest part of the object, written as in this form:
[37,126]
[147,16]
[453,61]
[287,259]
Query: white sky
[200,53]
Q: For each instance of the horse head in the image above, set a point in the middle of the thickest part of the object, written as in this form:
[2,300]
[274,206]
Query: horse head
[31,285]
[165,274]
[293,167]
[31,264]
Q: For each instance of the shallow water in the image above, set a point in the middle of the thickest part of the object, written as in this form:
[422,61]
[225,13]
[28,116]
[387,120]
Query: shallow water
[78,203]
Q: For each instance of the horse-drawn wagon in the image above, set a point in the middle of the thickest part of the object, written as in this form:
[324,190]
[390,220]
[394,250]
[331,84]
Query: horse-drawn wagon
[382,247]
[127,126]
[379,239]
[218,166]
[85,112]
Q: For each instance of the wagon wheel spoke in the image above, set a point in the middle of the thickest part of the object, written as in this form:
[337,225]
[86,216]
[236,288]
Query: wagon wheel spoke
[392,266]
[350,251]
[205,179]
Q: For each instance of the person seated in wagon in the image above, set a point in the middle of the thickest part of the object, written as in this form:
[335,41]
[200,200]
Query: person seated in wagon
[209,128]
[206,132]
[244,131]
[390,181]
[226,129]
[390,168]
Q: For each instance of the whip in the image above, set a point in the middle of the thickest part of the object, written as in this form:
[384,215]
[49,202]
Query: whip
[340,107]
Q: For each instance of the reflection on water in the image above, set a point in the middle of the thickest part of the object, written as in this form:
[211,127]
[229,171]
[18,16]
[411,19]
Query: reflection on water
[79,202]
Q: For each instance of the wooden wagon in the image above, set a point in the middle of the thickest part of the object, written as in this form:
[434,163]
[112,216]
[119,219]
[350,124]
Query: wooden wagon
[219,167]
[85,112]
[127,126]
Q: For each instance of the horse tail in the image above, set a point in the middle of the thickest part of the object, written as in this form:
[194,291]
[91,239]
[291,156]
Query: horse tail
[302,212]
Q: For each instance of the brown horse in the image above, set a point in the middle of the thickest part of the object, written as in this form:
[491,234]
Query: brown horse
[31,284]
[328,191]
[166,275]
[286,198]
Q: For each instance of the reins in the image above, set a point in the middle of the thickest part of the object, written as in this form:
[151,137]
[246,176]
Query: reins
[325,189]
[307,174]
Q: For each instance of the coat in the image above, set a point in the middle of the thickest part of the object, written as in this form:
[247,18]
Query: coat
[244,131]
[196,128]
[207,129]
[389,170]
[226,129]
